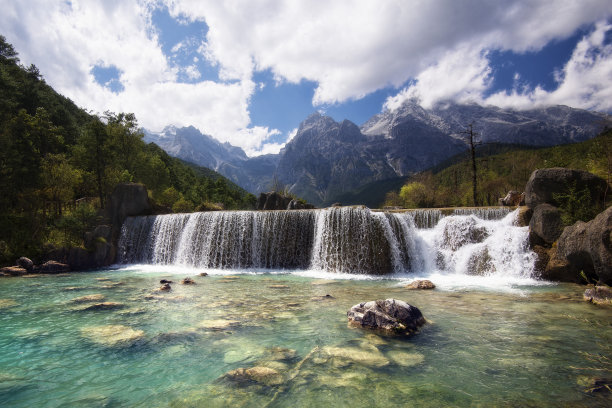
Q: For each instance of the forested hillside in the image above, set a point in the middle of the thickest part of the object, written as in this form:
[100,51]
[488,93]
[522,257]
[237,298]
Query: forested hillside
[58,164]
[451,185]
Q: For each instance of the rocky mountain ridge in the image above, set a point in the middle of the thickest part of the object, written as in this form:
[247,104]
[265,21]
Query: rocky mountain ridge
[327,158]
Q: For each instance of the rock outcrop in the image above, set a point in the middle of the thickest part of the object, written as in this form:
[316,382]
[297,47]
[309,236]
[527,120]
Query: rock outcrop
[53,267]
[568,253]
[513,199]
[127,199]
[277,201]
[544,184]
[545,225]
[390,315]
[585,247]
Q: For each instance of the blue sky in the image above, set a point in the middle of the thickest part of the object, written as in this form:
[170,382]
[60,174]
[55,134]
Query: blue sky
[250,72]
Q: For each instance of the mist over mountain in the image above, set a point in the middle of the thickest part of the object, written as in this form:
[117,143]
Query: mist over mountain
[327,158]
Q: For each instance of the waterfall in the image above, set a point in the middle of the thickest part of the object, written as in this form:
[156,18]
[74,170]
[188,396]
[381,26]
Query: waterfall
[345,240]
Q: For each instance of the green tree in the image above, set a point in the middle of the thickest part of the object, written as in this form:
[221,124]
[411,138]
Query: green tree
[415,195]
[182,205]
[60,180]
[169,196]
[92,153]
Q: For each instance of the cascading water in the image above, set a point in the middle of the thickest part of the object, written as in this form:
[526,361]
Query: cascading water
[345,240]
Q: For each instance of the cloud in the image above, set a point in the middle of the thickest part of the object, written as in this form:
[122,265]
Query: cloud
[257,137]
[585,81]
[66,41]
[462,75]
[292,134]
[192,72]
[351,48]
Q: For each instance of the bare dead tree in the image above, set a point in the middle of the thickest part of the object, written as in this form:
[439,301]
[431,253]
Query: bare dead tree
[470,137]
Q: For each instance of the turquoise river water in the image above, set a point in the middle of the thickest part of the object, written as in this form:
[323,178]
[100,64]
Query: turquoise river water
[518,344]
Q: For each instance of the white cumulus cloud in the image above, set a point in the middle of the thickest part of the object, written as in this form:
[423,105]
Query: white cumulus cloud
[348,48]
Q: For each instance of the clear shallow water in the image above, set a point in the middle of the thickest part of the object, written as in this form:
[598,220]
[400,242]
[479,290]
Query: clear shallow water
[518,343]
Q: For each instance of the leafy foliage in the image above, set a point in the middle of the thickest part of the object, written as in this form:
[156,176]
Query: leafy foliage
[54,153]
[499,173]
[576,205]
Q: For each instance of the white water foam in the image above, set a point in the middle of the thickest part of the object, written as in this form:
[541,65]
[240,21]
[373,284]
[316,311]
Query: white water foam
[344,243]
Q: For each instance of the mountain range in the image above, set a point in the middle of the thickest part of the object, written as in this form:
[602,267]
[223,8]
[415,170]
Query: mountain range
[326,159]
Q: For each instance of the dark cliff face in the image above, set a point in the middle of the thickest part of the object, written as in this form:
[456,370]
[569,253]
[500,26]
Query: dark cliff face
[326,157]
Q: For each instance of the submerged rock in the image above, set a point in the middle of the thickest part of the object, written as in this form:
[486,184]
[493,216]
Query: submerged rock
[278,286]
[390,315]
[595,384]
[6,303]
[322,297]
[114,335]
[368,357]
[165,281]
[88,298]
[218,324]
[600,295]
[421,284]
[187,281]
[102,306]
[259,374]
[165,287]
[405,359]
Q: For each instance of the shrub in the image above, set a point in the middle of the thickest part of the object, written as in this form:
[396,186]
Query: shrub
[576,205]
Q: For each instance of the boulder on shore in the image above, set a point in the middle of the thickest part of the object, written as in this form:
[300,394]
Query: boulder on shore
[545,183]
[25,263]
[12,271]
[390,315]
[53,267]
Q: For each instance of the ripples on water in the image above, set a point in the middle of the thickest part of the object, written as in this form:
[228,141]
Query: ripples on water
[520,344]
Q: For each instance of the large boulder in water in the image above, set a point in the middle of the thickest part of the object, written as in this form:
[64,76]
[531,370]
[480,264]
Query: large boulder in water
[584,247]
[544,184]
[390,315]
[460,231]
